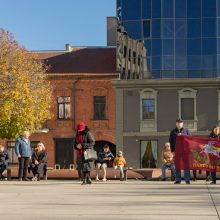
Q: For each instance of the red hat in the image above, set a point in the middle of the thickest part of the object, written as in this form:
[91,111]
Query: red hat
[81,126]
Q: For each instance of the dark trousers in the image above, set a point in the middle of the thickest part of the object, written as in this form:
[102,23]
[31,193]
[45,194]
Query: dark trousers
[39,170]
[86,176]
[23,167]
[213,177]
[3,167]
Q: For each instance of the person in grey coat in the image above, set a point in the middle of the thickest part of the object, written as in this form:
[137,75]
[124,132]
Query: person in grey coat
[23,151]
[84,140]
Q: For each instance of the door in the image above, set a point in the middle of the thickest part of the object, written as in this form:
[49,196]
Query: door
[64,152]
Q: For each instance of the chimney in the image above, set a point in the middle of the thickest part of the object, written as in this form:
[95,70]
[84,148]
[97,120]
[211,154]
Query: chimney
[68,47]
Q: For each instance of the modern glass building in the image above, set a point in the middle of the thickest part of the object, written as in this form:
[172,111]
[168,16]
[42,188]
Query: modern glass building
[182,37]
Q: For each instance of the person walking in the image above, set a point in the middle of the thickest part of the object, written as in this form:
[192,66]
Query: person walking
[23,151]
[177,131]
[215,133]
[84,140]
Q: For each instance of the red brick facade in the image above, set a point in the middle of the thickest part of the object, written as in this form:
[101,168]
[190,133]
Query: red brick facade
[81,88]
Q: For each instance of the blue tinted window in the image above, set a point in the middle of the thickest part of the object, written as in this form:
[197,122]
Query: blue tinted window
[180,47]
[131,9]
[168,47]
[156,74]
[156,63]
[149,63]
[156,47]
[209,61]
[194,28]
[180,28]
[218,27]
[194,46]
[146,28]
[146,9]
[133,28]
[168,62]
[147,44]
[218,7]
[194,8]
[156,27]
[209,45]
[167,74]
[180,8]
[156,8]
[181,74]
[209,8]
[168,28]
[167,6]
[194,73]
[194,62]
[218,45]
[180,63]
[209,27]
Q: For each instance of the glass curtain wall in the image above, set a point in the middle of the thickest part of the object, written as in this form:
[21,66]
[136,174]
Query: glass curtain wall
[181,36]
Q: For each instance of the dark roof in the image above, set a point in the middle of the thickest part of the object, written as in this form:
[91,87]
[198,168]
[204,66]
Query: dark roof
[86,60]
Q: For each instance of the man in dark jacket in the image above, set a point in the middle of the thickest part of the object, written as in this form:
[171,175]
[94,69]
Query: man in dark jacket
[4,160]
[104,157]
[23,151]
[179,130]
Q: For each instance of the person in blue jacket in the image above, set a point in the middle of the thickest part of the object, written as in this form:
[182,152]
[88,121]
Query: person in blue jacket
[23,151]
[179,130]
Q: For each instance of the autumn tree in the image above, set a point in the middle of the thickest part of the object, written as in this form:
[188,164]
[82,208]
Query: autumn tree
[25,93]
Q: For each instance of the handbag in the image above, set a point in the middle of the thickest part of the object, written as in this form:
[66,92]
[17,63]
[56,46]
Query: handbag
[90,154]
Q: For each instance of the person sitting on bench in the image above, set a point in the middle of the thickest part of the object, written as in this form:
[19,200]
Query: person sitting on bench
[39,162]
[119,163]
[4,159]
[167,161]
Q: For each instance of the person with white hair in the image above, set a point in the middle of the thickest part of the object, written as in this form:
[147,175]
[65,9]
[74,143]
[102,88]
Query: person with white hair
[23,151]
[167,161]
[39,162]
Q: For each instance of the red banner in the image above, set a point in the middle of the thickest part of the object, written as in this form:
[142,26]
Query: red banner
[196,153]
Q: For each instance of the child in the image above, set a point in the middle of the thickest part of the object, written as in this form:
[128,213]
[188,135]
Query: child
[103,160]
[119,163]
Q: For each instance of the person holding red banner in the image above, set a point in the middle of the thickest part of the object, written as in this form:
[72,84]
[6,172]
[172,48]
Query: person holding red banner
[179,130]
[214,134]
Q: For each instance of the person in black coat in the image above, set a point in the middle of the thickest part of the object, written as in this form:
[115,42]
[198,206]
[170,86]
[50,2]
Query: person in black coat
[179,130]
[84,140]
[4,159]
[39,162]
[214,134]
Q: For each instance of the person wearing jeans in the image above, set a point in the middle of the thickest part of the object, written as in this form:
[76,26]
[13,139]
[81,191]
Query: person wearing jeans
[179,130]
[23,151]
[167,161]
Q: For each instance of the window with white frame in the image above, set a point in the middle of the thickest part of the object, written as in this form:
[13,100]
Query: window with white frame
[64,107]
[187,107]
[148,106]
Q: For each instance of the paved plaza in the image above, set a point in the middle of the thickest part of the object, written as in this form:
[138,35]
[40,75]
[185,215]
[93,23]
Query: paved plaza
[133,199]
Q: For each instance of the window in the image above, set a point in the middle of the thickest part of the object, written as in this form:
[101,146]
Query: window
[146,28]
[11,150]
[134,57]
[148,111]
[194,8]
[125,51]
[167,6]
[180,6]
[168,28]
[99,107]
[187,107]
[63,107]
[148,154]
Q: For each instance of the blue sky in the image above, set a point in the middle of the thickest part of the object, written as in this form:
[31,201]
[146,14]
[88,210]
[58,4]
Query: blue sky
[50,24]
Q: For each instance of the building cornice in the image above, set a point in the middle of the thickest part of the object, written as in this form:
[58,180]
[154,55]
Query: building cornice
[166,83]
[83,75]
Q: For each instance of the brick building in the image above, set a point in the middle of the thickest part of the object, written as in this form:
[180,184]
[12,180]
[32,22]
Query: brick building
[82,91]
